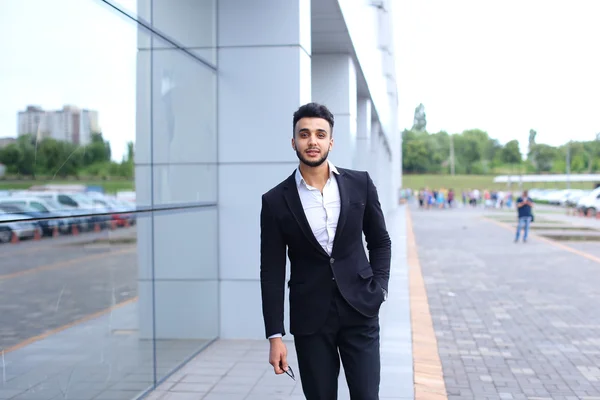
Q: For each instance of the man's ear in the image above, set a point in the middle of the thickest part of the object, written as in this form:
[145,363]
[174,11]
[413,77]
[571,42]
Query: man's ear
[293,144]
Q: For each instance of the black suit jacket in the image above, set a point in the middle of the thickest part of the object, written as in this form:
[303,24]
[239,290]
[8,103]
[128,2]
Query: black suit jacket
[360,280]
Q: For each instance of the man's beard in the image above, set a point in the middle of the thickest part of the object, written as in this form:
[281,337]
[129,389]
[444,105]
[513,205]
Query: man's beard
[311,163]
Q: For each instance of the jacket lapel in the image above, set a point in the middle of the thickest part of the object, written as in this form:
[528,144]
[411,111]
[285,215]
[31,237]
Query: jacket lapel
[344,201]
[292,198]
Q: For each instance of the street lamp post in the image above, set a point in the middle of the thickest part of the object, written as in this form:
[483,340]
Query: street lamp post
[569,165]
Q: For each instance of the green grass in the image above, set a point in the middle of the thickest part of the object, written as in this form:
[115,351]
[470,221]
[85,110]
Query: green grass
[109,186]
[481,182]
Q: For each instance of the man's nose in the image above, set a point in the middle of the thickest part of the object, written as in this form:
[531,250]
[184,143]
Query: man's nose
[312,139]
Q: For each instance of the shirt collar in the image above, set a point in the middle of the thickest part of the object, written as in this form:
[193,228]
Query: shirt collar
[332,170]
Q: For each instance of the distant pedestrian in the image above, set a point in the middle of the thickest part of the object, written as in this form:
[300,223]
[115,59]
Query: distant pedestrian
[524,205]
[509,199]
[450,198]
[440,199]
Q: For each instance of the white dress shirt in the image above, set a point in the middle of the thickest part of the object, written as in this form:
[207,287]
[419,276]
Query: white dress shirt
[322,210]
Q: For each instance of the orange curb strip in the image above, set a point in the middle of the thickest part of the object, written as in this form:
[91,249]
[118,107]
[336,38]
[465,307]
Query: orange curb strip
[67,326]
[427,367]
[543,239]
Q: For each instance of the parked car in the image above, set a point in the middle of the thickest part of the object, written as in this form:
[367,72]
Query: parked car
[122,213]
[574,197]
[590,203]
[49,206]
[19,225]
[77,203]
[48,225]
[100,215]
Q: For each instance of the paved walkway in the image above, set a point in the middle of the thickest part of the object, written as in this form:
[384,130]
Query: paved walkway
[513,321]
[239,370]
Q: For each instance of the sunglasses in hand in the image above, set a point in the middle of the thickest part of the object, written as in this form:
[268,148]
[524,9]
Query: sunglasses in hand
[290,372]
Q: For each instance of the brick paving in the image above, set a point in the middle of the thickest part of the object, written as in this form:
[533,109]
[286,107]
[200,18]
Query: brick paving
[513,321]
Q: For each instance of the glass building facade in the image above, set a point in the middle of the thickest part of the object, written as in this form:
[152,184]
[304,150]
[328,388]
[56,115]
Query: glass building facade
[124,255]
[104,310]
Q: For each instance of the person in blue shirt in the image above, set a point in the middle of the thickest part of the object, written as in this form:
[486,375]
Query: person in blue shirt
[524,205]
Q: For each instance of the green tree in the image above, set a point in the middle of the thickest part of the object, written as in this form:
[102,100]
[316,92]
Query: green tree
[27,162]
[50,155]
[420,119]
[469,148]
[544,156]
[511,153]
[415,155]
[11,156]
[130,152]
[98,151]
[71,162]
[531,141]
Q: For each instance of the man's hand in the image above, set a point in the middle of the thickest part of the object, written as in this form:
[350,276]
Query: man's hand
[278,356]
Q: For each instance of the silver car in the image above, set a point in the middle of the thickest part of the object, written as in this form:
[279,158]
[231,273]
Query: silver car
[19,225]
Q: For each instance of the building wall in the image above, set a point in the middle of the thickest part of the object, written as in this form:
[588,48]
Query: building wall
[223,125]
[176,172]
[370,28]
[31,120]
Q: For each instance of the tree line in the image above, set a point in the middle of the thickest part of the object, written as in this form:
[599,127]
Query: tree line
[473,151]
[49,157]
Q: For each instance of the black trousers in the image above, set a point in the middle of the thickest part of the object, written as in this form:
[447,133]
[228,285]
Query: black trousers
[346,334]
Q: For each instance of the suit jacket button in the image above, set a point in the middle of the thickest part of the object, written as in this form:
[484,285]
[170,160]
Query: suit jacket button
[331,260]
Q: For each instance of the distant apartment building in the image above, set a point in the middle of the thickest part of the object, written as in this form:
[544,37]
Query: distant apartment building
[5,141]
[71,124]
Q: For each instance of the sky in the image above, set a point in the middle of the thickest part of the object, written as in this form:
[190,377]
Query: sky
[76,52]
[503,67]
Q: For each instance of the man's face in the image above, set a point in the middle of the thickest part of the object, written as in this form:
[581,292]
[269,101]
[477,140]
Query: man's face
[312,141]
[525,193]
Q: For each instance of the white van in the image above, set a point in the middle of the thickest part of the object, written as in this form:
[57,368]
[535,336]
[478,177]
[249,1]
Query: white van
[65,200]
[50,207]
[590,203]
[77,203]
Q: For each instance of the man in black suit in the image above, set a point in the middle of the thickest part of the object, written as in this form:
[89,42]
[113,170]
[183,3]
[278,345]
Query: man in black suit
[319,214]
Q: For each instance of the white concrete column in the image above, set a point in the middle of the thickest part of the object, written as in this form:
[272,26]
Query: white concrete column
[384,175]
[362,154]
[377,164]
[334,85]
[264,76]
[375,152]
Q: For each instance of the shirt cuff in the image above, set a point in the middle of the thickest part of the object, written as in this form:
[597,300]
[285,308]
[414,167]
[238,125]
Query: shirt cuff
[275,335]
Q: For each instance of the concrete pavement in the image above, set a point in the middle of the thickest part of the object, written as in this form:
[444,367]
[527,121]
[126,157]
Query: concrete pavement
[239,370]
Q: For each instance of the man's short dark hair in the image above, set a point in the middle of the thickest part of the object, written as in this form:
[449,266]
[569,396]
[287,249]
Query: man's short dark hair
[313,110]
